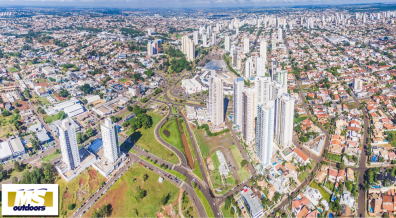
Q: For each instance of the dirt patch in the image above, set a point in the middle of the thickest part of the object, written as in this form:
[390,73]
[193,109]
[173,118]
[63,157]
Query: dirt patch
[160,215]
[185,144]
[43,84]
[67,195]
[168,210]
[22,105]
[166,133]
[59,97]
[210,164]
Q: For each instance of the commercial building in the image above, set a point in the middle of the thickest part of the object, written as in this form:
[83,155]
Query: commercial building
[110,140]
[223,168]
[216,100]
[284,111]
[252,202]
[265,132]
[149,48]
[191,86]
[248,116]
[239,85]
[92,98]
[5,151]
[68,144]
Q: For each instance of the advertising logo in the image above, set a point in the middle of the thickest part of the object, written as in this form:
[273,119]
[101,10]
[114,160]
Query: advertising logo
[31,200]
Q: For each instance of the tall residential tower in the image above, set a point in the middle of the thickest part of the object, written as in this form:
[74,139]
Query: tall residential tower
[110,140]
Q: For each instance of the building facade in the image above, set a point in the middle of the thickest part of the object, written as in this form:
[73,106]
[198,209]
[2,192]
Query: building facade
[284,111]
[248,116]
[216,100]
[68,144]
[265,132]
[239,85]
[110,140]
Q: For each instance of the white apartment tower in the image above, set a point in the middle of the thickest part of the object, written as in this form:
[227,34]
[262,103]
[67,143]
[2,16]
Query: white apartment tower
[68,144]
[216,100]
[260,64]
[239,84]
[246,45]
[284,111]
[227,43]
[214,39]
[357,84]
[110,140]
[195,37]
[149,49]
[281,77]
[263,49]
[262,86]
[280,35]
[248,116]
[188,48]
[204,41]
[265,132]
[277,89]
[248,68]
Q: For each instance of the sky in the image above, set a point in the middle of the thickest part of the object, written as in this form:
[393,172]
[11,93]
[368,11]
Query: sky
[179,3]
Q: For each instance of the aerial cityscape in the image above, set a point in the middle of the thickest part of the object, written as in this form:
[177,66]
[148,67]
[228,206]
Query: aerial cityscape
[281,111]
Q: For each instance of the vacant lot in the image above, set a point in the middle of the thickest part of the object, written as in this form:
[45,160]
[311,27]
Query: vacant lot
[145,139]
[125,201]
[207,143]
[78,190]
[323,192]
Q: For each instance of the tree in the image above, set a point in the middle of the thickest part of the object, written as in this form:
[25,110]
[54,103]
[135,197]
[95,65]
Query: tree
[165,199]
[342,165]
[41,110]
[71,206]
[86,88]
[130,108]
[17,167]
[90,132]
[138,110]
[244,163]
[146,120]
[145,177]
[14,180]
[103,211]
[63,93]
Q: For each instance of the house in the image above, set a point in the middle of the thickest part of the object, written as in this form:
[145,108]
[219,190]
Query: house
[313,195]
[333,175]
[350,175]
[300,156]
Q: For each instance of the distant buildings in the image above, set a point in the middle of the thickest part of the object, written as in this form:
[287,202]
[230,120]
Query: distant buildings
[262,86]
[110,140]
[68,144]
[248,68]
[357,85]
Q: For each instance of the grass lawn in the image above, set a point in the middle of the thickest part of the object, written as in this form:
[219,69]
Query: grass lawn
[174,111]
[78,190]
[43,101]
[207,143]
[145,139]
[243,173]
[50,119]
[123,80]
[174,138]
[215,160]
[5,126]
[177,174]
[300,118]
[204,202]
[352,105]
[197,171]
[334,157]
[12,70]
[227,213]
[329,185]
[49,157]
[323,192]
[302,176]
[125,201]
[162,98]
[188,140]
